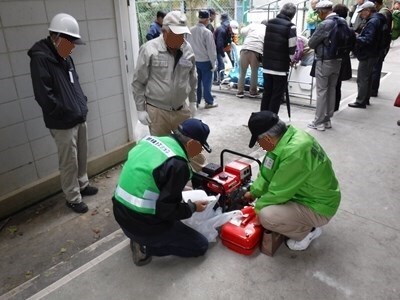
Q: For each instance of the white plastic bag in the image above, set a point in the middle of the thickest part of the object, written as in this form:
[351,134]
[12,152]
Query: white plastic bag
[207,221]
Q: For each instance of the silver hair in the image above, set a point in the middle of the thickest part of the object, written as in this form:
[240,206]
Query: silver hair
[289,10]
[277,130]
[182,138]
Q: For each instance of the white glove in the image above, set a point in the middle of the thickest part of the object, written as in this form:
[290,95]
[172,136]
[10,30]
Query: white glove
[192,108]
[213,68]
[144,117]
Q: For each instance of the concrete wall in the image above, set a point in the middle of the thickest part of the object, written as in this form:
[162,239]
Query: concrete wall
[27,151]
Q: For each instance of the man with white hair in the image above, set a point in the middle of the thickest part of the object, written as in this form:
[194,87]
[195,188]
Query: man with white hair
[279,49]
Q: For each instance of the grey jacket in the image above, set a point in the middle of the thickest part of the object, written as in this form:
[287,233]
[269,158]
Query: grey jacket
[160,80]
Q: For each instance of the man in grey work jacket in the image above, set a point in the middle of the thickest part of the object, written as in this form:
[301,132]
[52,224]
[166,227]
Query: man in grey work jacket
[165,75]
[202,42]
[59,94]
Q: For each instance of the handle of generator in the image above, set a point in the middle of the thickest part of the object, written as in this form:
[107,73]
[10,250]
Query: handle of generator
[238,154]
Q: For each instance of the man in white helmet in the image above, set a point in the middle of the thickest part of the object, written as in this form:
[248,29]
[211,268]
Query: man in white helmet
[64,105]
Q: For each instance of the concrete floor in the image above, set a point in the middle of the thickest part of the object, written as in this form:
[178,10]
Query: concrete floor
[356,257]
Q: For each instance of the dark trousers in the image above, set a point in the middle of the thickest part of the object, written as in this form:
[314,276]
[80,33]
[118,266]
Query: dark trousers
[218,75]
[179,240]
[274,89]
[376,75]
[338,94]
[364,74]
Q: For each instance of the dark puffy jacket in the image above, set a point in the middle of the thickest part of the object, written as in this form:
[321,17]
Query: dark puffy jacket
[56,87]
[368,42]
[277,50]
[221,37]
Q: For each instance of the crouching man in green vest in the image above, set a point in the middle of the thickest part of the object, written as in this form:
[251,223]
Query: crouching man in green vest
[296,188]
[148,201]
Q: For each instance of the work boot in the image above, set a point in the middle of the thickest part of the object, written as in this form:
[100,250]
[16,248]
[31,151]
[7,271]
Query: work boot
[79,208]
[140,258]
[89,191]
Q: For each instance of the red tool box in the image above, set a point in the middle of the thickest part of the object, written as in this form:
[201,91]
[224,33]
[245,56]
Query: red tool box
[245,237]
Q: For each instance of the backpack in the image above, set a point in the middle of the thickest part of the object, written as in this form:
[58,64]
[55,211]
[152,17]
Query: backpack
[341,39]
[385,37]
[395,24]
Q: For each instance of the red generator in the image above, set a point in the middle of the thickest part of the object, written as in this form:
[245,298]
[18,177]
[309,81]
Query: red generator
[230,181]
[245,237]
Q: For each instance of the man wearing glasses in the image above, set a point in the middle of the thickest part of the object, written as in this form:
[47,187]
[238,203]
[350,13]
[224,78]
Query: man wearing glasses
[64,105]
[296,189]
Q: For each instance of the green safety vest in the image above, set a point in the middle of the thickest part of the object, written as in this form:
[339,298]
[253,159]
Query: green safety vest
[136,188]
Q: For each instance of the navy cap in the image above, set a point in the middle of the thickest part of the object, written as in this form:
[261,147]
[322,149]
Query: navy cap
[196,130]
[224,17]
[259,123]
[204,14]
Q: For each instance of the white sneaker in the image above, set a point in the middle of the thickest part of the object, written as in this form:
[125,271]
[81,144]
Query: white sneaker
[304,243]
[319,127]
[328,125]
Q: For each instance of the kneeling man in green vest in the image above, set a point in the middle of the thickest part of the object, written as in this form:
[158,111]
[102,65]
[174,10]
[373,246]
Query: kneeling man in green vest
[148,201]
[296,190]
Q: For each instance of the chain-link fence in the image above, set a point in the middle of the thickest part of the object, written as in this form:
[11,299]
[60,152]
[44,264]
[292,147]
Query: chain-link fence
[147,10]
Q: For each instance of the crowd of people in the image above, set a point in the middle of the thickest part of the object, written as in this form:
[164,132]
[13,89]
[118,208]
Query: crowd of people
[296,190]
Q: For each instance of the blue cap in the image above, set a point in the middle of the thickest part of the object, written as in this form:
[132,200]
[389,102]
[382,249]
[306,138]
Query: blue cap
[196,130]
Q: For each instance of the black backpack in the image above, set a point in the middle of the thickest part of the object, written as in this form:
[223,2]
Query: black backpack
[341,39]
[385,37]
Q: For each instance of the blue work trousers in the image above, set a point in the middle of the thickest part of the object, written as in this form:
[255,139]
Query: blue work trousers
[204,81]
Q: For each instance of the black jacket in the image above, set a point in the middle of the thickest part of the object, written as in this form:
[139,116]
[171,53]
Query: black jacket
[277,47]
[368,42]
[56,87]
[171,178]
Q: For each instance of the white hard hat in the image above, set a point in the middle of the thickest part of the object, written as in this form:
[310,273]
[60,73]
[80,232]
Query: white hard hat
[66,24]
[235,26]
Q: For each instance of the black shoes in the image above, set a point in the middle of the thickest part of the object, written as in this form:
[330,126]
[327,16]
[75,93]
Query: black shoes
[140,258]
[79,208]
[357,105]
[89,191]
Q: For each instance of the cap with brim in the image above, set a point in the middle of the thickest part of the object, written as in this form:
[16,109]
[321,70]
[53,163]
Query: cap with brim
[259,123]
[177,22]
[365,5]
[196,130]
[324,4]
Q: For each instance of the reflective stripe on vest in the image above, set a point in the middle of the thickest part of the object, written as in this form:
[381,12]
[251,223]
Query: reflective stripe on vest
[147,206]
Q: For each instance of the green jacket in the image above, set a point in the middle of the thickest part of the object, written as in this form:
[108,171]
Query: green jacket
[297,170]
